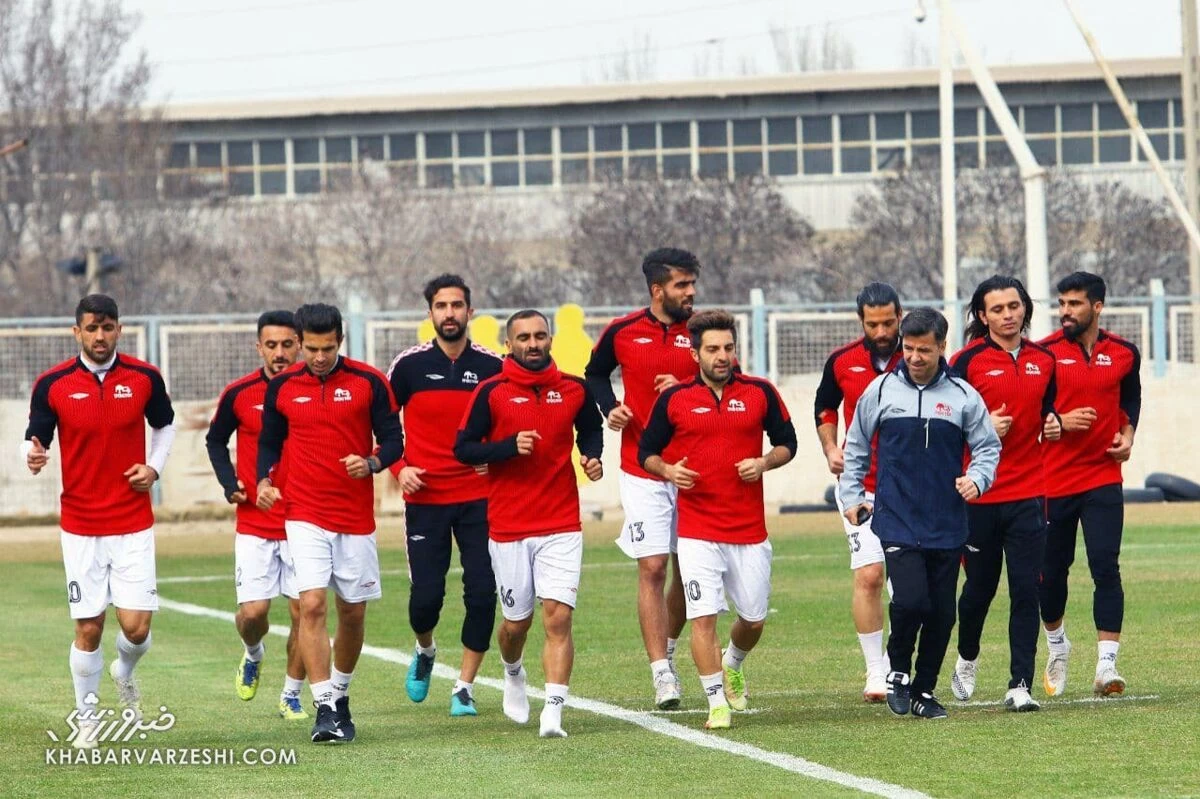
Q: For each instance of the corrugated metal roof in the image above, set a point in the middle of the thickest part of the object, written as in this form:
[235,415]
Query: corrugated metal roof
[800,83]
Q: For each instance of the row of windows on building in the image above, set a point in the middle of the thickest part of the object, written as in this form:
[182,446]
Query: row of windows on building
[827,144]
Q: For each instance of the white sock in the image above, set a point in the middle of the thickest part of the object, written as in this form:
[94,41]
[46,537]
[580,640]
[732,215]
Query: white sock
[427,651]
[1108,654]
[671,644]
[660,666]
[128,654]
[714,689]
[291,687]
[734,657]
[322,693]
[872,649]
[460,685]
[556,697]
[255,653]
[86,668]
[1056,640]
[340,682]
[513,669]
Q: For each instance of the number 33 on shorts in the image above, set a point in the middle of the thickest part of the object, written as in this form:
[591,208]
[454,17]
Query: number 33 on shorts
[853,542]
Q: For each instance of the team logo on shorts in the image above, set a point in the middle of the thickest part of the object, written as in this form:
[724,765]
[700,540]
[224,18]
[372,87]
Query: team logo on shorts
[553,398]
[122,391]
[1032,369]
[942,409]
[341,395]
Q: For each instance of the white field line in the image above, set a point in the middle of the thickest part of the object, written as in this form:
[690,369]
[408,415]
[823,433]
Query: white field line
[791,763]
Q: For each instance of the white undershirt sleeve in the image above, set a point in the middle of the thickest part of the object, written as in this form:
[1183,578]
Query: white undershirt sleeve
[161,439]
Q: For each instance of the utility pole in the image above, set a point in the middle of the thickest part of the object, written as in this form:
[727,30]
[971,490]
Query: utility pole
[949,208]
[1191,128]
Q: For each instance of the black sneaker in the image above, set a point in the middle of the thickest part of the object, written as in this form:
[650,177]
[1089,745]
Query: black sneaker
[344,722]
[326,727]
[899,695]
[926,706]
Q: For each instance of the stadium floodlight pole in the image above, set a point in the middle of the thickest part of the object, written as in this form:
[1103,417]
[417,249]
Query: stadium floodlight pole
[946,140]
[1191,129]
[1033,176]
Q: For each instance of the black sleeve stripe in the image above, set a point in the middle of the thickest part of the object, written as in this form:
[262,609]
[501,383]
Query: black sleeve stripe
[962,361]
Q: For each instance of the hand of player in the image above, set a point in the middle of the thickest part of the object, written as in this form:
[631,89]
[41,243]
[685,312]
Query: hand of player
[239,496]
[1078,420]
[618,417]
[356,466]
[37,458]
[1001,421]
[966,488]
[525,440]
[1051,428]
[592,467]
[680,474]
[751,469]
[268,494]
[141,477]
[853,514]
[1121,448]
[410,479]
[663,382]
[836,460]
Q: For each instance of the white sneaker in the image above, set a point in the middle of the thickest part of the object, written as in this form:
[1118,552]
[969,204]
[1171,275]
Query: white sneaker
[1108,682]
[85,736]
[516,700]
[962,682]
[666,691]
[1054,680]
[128,693]
[876,688]
[1019,700]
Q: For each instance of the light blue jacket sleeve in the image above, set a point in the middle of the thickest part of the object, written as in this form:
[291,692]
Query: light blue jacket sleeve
[982,439]
[858,445]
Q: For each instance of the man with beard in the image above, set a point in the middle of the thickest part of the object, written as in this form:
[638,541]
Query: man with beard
[848,371]
[1099,382]
[1007,526]
[445,500]
[261,561]
[523,424]
[705,437]
[653,349]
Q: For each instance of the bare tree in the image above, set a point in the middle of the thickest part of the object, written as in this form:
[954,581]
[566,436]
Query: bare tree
[799,49]
[915,52]
[636,61]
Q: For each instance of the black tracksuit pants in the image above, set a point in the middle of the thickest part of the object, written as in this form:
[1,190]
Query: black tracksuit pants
[1101,512]
[923,585]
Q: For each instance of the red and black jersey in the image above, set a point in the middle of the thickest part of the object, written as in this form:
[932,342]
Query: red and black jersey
[1107,379]
[714,433]
[101,435]
[311,423]
[1026,385]
[848,372]
[535,494]
[240,410]
[644,348]
[433,392]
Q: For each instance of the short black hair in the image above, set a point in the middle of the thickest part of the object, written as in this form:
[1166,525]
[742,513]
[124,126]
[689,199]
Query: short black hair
[714,319]
[526,313]
[922,322]
[318,317]
[101,306]
[446,280]
[276,319]
[976,328]
[657,264]
[877,295]
[1084,281]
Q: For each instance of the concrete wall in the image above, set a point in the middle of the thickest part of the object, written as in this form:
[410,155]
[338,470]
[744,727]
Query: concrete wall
[1165,442]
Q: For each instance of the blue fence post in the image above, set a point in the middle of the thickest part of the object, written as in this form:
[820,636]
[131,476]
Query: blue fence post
[154,356]
[758,332]
[358,329]
[1158,326]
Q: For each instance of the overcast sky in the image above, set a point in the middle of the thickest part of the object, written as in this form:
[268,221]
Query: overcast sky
[220,50]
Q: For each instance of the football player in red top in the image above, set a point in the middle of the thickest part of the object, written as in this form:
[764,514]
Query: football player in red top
[705,437]
[848,372]
[319,419]
[523,423]
[1007,525]
[1100,400]
[653,349]
[97,402]
[260,553]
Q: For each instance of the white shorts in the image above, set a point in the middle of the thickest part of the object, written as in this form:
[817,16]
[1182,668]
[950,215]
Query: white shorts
[865,548]
[651,516]
[542,567]
[109,568]
[263,568]
[349,564]
[712,571]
